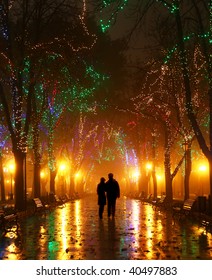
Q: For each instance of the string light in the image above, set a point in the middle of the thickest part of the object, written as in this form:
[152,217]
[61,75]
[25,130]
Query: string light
[63,40]
[74,96]
[172,7]
[186,38]
[115,9]
[3,137]
[64,97]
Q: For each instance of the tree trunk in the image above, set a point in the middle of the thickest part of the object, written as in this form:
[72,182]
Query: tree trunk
[37,159]
[52,181]
[36,147]
[37,192]
[144,181]
[187,173]
[20,182]
[167,165]
[169,192]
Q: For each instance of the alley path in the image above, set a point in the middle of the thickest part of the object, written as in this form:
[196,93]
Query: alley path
[75,232]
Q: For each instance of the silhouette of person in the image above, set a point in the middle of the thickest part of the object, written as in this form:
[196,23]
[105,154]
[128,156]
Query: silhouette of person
[113,192]
[101,196]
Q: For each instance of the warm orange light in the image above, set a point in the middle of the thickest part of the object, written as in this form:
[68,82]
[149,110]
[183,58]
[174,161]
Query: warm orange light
[136,174]
[42,174]
[159,177]
[148,166]
[5,169]
[12,168]
[77,175]
[62,167]
[202,168]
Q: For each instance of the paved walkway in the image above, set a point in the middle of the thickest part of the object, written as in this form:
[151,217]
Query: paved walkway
[75,232]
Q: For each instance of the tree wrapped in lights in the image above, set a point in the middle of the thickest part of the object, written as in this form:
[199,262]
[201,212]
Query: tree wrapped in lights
[80,147]
[191,29]
[25,34]
[201,38]
[110,148]
[78,87]
[161,102]
[69,95]
[91,144]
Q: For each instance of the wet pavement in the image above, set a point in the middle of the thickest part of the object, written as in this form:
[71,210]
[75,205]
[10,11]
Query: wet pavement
[138,232]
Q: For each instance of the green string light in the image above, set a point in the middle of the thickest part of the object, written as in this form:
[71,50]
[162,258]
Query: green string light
[116,7]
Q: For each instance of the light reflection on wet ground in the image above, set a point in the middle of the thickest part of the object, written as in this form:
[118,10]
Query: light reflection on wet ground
[75,232]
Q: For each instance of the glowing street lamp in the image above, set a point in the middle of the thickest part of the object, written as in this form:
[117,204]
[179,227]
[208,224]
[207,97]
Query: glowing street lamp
[136,175]
[202,168]
[77,179]
[12,168]
[149,166]
[42,174]
[62,167]
[78,175]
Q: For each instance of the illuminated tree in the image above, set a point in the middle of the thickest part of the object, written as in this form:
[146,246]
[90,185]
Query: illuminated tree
[195,70]
[69,94]
[162,102]
[25,34]
[190,30]
[205,44]
[81,147]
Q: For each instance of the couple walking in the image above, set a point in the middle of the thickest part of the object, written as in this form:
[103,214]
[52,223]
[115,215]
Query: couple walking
[109,190]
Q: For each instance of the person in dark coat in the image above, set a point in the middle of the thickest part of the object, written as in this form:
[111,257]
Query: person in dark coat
[101,196]
[113,192]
